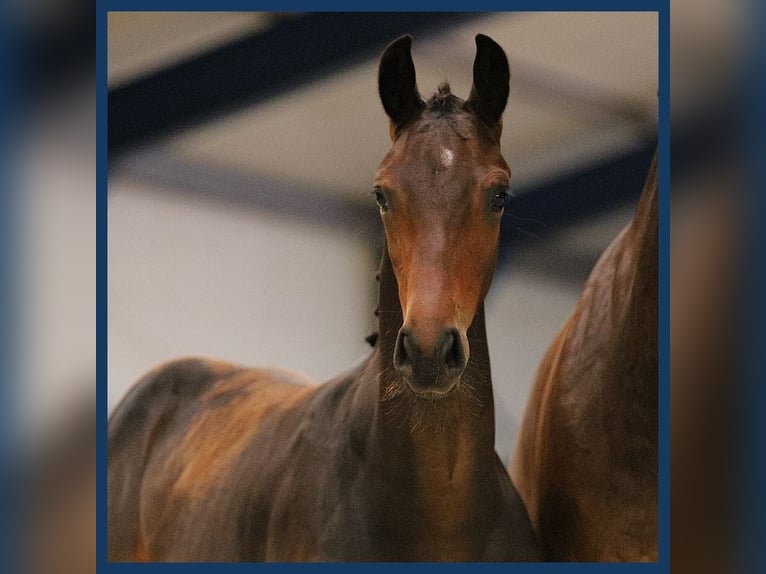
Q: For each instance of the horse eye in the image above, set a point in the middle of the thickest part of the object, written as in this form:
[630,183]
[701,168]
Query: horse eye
[498,200]
[380,199]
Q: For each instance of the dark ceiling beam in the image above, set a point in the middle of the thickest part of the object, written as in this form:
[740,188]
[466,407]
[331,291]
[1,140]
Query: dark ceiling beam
[165,172]
[292,53]
[588,192]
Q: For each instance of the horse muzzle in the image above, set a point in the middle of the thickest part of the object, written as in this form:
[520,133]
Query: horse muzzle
[431,371]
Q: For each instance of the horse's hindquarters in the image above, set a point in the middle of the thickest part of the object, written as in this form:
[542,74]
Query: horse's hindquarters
[173,442]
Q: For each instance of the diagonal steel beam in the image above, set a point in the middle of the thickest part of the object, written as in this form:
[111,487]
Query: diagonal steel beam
[253,69]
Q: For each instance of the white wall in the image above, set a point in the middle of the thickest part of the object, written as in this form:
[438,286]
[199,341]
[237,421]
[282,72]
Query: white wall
[188,277]
[524,312]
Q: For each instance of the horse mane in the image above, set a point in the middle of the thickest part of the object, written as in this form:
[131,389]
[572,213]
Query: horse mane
[444,107]
[444,102]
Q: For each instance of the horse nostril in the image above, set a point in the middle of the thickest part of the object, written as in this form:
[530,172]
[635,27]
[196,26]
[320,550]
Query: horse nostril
[452,353]
[447,357]
[404,354]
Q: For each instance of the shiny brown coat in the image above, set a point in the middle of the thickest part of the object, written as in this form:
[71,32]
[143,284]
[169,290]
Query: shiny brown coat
[586,458]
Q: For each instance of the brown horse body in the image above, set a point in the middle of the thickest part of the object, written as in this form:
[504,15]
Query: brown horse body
[586,458]
[395,459]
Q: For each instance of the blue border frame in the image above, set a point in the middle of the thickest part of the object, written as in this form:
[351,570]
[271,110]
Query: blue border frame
[660,6]
[752,500]
[383,6]
[12,329]
[102,309]
[664,286]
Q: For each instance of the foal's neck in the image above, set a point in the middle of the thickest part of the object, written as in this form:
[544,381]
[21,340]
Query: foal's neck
[419,440]
[429,474]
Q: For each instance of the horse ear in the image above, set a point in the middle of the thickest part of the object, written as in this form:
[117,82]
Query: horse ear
[491,76]
[396,82]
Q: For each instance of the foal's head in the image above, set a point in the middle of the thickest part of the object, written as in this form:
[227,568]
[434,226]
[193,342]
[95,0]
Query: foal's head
[441,190]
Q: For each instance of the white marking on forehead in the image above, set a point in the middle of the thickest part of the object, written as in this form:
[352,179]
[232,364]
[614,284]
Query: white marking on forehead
[446,157]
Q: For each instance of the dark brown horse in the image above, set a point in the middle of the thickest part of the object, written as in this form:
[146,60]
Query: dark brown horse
[393,460]
[586,457]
